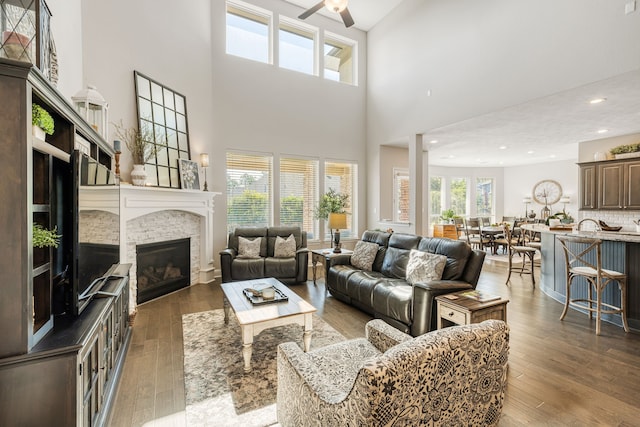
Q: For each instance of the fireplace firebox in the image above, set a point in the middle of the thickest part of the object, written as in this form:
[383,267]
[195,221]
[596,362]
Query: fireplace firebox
[162,268]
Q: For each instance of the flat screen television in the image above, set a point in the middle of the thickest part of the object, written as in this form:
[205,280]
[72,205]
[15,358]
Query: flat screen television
[97,216]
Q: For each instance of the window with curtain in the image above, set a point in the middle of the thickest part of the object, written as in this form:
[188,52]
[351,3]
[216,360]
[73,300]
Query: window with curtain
[342,178]
[299,194]
[484,197]
[339,58]
[297,46]
[436,193]
[249,190]
[248,33]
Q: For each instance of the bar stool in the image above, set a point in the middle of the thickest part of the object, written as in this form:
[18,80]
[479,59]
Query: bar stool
[526,252]
[578,253]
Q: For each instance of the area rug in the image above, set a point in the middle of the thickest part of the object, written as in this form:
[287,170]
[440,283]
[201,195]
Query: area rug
[218,391]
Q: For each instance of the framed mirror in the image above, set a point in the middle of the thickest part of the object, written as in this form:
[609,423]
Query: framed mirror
[164,111]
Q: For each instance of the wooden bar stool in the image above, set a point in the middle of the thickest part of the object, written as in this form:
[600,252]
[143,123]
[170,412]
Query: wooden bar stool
[526,252]
[579,254]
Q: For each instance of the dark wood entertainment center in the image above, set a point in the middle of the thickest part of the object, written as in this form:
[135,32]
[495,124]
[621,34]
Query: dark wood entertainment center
[55,369]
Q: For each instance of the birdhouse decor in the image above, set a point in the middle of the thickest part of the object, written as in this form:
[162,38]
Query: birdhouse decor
[93,108]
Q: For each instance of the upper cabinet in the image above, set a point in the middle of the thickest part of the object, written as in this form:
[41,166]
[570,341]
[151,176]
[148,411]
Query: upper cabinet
[611,185]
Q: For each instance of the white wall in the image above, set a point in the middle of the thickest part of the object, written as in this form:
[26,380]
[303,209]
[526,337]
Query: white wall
[519,182]
[233,103]
[587,149]
[66,30]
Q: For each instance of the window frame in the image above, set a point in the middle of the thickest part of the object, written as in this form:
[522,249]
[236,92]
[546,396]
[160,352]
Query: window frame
[302,30]
[253,13]
[338,39]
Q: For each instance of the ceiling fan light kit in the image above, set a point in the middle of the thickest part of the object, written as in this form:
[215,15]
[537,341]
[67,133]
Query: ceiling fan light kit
[337,6]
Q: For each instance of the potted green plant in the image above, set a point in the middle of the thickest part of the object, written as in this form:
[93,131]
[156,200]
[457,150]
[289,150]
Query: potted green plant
[43,238]
[626,151]
[143,145]
[447,215]
[42,122]
[331,202]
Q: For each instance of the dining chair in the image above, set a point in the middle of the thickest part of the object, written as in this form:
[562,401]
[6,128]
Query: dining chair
[474,230]
[461,229]
[583,257]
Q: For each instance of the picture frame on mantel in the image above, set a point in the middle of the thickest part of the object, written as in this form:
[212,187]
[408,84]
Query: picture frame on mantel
[189,174]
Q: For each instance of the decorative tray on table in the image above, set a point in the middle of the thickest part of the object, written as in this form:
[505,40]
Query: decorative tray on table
[256,298]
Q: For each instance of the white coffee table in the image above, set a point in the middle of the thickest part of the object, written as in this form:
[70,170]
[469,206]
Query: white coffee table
[254,319]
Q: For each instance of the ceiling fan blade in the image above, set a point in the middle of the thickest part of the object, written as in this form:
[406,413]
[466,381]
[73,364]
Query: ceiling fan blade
[346,18]
[307,13]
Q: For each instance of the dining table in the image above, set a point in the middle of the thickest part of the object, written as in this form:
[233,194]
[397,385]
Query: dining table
[492,232]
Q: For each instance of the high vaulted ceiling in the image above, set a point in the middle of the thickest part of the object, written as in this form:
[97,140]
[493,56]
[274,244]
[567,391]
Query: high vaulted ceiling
[537,131]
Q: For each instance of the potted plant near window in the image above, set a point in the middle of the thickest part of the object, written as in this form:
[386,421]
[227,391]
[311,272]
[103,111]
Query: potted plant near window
[142,145]
[42,122]
[333,202]
[447,216]
[626,151]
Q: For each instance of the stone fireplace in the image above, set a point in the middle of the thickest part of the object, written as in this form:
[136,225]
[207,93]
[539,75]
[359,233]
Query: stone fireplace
[150,215]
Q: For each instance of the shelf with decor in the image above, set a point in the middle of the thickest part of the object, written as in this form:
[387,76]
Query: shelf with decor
[55,318]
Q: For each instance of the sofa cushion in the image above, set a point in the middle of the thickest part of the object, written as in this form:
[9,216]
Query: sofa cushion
[282,231]
[338,276]
[279,267]
[249,248]
[364,253]
[360,286]
[397,255]
[285,248]
[249,233]
[456,251]
[424,267]
[382,239]
[393,298]
[247,268]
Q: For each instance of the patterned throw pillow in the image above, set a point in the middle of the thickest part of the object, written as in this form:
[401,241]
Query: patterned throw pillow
[249,248]
[424,267]
[285,248]
[364,254]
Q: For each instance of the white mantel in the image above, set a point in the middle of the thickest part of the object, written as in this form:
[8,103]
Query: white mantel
[137,201]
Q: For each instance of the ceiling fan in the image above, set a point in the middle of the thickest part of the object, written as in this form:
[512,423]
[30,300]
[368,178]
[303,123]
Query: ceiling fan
[337,6]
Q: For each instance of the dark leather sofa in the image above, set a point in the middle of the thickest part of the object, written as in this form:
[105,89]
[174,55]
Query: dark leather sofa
[384,292]
[287,270]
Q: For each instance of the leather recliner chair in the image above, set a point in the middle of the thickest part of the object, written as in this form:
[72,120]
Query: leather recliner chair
[287,270]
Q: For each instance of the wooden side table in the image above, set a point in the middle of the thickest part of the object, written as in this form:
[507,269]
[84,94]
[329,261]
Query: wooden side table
[324,256]
[464,311]
[449,231]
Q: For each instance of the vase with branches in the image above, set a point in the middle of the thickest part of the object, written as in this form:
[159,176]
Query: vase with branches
[143,144]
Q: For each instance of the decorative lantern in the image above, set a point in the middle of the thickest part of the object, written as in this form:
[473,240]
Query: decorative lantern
[25,33]
[93,108]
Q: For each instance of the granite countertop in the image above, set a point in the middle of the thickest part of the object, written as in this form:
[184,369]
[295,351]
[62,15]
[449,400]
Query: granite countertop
[616,236]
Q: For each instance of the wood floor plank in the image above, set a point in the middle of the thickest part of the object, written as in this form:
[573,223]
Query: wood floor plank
[560,372]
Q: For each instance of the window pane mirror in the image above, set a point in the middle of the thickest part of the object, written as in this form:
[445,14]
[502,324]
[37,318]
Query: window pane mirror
[165,111]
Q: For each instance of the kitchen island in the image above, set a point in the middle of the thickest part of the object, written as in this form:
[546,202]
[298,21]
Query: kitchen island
[620,252]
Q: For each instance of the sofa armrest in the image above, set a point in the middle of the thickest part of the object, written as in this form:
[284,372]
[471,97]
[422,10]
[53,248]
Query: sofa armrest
[344,259]
[302,264]
[384,336]
[226,258]
[298,370]
[424,313]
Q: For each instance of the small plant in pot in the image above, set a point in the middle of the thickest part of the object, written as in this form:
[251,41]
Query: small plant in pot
[447,215]
[42,121]
[43,238]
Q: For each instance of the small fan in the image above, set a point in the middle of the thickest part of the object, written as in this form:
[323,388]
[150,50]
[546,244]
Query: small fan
[337,6]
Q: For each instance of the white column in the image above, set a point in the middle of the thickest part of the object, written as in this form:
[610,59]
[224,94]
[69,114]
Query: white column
[415,184]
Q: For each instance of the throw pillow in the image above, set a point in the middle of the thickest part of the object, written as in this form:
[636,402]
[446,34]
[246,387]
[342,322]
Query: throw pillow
[285,248]
[364,254]
[424,267]
[249,248]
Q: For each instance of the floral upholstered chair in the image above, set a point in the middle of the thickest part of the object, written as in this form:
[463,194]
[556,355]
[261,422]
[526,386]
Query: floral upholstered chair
[452,376]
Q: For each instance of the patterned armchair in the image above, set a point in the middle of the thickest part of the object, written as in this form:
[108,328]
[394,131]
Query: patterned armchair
[452,376]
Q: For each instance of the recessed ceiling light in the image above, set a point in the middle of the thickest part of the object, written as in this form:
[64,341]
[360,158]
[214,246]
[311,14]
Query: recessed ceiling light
[553,156]
[501,162]
[503,147]
[433,141]
[603,130]
[451,156]
[530,152]
[597,100]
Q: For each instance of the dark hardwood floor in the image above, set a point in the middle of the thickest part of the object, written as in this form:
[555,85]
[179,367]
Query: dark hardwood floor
[560,372]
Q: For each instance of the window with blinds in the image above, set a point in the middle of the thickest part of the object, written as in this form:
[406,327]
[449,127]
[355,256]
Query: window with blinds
[342,178]
[299,194]
[249,190]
